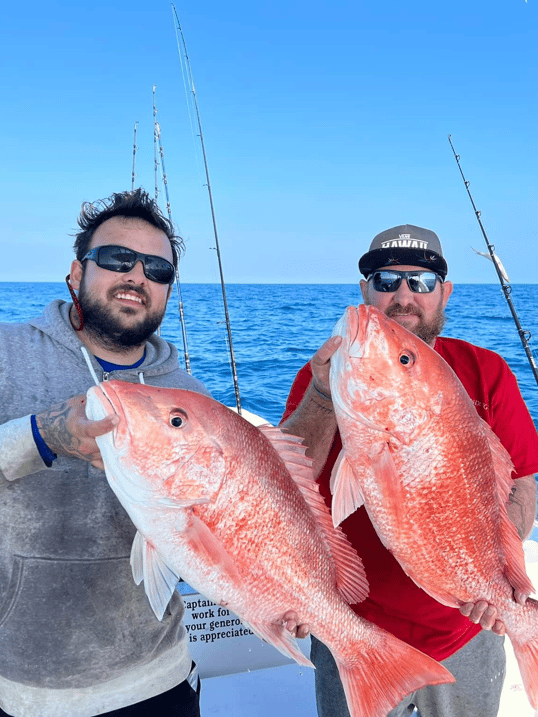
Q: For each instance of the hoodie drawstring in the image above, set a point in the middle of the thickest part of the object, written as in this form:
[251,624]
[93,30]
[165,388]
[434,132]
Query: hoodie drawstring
[92,370]
[88,361]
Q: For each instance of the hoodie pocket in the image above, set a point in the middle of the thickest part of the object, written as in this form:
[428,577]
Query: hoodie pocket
[74,623]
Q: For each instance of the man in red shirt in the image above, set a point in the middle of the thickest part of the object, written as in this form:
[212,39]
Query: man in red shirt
[405,277]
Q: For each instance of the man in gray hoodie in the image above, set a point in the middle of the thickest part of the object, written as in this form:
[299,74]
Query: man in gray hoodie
[77,636]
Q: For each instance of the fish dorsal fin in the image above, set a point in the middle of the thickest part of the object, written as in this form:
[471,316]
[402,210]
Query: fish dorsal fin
[291,450]
[515,557]
[345,489]
[350,575]
[159,580]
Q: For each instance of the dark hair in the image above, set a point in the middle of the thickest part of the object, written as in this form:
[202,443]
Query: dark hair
[136,204]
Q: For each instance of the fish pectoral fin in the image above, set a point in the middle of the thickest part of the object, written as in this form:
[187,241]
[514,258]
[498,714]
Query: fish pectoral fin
[389,481]
[159,579]
[137,558]
[203,542]
[345,489]
[277,636]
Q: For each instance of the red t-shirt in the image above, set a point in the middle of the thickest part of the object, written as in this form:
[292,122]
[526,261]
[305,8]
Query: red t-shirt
[394,602]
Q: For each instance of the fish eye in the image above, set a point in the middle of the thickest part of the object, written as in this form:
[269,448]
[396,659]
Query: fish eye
[178,419]
[407,358]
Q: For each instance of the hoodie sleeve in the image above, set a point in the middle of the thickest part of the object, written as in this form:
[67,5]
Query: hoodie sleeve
[18,452]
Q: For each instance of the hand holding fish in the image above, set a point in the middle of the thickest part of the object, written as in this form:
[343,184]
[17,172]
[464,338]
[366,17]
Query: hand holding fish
[66,430]
[485,614]
[321,364]
[314,420]
[521,509]
[291,623]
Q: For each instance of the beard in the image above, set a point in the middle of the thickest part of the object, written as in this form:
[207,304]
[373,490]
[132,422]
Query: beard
[105,325]
[428,331]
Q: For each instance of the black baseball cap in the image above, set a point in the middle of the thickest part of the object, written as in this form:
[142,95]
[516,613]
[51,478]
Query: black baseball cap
[407,245]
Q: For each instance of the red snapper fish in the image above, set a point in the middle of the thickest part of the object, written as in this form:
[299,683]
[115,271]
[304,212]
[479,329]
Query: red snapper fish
[235,511]
[432,475]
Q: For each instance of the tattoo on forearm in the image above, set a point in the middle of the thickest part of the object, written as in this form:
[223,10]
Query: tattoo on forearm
[52,425]
[323,406]
[522,507]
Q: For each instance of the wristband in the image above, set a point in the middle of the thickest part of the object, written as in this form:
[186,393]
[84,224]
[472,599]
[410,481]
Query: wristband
[44,451]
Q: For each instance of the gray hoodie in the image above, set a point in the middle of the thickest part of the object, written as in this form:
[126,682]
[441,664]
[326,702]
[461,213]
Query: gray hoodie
[77,636]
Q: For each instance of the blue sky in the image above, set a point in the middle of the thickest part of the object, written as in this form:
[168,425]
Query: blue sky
[324,123]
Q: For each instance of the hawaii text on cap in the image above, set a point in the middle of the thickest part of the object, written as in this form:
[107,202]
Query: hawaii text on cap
[405,245]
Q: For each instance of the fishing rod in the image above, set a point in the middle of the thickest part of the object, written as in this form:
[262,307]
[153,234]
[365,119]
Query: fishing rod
[190,79]
[133,175]
[503,278]
[158,140]
[155,160]
[178,283]
[165,178]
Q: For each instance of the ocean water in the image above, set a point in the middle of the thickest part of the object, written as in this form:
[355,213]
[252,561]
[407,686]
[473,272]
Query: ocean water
[276,328]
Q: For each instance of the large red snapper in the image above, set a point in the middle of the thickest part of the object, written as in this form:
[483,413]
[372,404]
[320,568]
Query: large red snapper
[432,475]
[214,500]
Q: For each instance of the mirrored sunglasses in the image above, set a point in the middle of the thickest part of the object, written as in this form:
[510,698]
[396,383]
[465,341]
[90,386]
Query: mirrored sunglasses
[122,260]
[419,282]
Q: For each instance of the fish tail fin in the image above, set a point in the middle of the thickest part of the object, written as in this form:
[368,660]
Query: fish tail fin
[527,658]
[526,651]
[376,681]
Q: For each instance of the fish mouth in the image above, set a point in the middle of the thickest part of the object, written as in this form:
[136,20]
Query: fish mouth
[100,404]
[348,327]
[358,323]
[367,316]
[128,485]
[355,327]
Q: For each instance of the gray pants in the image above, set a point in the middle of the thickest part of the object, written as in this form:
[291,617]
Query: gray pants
[479,668]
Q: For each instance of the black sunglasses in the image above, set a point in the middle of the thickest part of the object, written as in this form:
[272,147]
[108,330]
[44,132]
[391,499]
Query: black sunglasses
[419,282]
[122,259]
